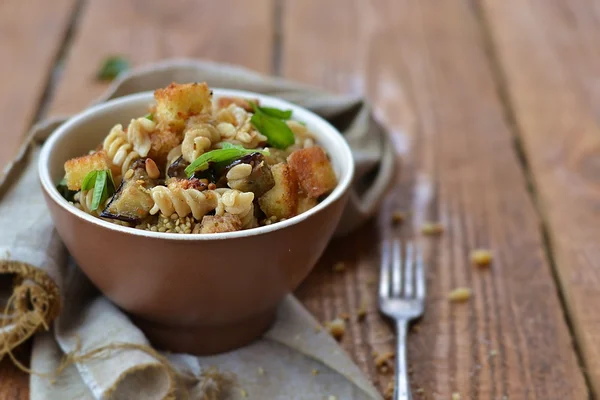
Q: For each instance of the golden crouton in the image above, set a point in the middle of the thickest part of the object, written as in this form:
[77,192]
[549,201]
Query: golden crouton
[162,141]
[223,102]
[77,168]
[218,223]
[176,102]
[282,200]
[305,204]
[314,171]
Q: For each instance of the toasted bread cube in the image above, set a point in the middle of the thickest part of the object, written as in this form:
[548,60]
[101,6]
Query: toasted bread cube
[77,168]
[162,142]
[282,200]
[220,223]
[176,103]
[223,102]
[314,171]
[305,204]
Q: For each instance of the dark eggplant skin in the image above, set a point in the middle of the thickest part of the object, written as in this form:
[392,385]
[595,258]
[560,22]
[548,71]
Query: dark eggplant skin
[131,202]
[260,180]
[177,168]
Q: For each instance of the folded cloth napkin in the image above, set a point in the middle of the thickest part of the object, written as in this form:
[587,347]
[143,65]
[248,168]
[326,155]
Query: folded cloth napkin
[109,357]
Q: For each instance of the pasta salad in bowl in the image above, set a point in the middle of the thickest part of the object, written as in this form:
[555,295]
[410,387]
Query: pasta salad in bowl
[196,210]
[194,166]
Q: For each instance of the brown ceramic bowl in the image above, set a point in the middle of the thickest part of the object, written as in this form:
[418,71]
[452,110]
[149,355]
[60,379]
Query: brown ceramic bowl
[203,293]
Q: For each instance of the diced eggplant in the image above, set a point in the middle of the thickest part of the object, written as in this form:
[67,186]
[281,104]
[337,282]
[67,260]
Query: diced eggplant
[260,179]
[177,168]
[132,201]
[259,182]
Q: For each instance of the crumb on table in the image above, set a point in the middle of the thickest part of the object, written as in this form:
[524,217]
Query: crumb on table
[383,359]
[398,217]
[481,257]
[432,229]
[339,266]
[459,295]
[361,313]
[336,328]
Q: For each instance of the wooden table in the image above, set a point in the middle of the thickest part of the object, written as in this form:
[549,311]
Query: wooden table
[494,108]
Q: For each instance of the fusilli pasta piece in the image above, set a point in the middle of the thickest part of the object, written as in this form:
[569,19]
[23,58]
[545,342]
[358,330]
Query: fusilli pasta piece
[238,174]
[174,199]
[235,126]
[138,134]
[303,138]
[237,203]
[197,140]
[84,198]
[118,149]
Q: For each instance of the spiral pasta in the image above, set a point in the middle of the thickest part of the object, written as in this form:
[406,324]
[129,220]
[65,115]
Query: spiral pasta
[118,149]
[303,138]
[138,134]
[84,198]
[242,180]
[176,200]
[235,126]
[237,175]
[237,203]
[197,140]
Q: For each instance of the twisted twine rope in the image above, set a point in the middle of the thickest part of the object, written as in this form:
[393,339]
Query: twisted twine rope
[35,302]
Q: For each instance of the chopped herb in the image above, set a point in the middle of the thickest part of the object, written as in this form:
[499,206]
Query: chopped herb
[112,67]
[275,112]
[103,184]
[229,152]
[271,111]
[89,181]
[149,116]
[64,190]
[270,122]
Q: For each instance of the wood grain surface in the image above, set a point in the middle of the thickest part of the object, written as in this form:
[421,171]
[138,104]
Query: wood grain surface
[439,86]
[548,55]
[425,67]
[232,31]
[29,50]
[31,33]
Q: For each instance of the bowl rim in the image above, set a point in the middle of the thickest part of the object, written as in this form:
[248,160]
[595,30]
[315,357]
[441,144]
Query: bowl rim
[346,160]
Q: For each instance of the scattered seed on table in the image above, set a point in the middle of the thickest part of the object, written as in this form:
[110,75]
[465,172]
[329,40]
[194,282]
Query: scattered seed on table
[361,313]
[459,295]
[481,257]
[432,229]
[336,328]
[339,267]
[398,217]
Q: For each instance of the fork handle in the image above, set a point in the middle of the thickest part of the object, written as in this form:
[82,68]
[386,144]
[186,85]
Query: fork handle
[402,390]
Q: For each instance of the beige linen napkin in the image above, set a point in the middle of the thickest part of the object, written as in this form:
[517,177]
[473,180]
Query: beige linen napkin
[276,367]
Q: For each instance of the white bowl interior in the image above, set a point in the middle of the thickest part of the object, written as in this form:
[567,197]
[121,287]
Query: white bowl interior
[86,131]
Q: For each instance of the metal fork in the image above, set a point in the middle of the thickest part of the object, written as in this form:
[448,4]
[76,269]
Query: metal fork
[401,298]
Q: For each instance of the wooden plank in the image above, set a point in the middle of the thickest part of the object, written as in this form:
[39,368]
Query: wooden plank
[550,62]
[425,67]
[14,383]
[230,31]
[29,51]
[31,33]
[233,31]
